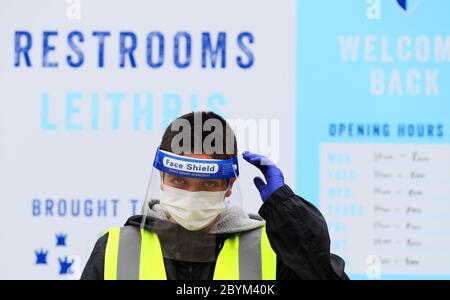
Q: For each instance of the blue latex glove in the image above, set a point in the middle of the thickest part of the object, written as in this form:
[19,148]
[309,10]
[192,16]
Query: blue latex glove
[272,174]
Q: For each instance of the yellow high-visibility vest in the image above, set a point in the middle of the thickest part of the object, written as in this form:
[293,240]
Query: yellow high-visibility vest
[133,253]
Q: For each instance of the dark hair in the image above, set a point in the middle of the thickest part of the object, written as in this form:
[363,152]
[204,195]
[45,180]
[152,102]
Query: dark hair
[229,149]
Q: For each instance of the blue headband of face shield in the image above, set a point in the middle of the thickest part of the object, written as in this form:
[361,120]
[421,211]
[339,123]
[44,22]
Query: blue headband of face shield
[183,166]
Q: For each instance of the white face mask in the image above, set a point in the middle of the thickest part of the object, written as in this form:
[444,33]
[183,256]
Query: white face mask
[192,210]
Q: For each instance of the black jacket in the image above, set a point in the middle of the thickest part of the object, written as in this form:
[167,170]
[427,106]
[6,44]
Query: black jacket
[297,233]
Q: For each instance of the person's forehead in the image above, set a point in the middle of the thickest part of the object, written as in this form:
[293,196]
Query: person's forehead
[201,155]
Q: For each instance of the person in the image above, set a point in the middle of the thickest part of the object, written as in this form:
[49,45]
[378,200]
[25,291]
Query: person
[191,233]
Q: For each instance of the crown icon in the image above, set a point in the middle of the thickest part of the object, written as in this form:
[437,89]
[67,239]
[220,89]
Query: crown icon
[61,239]
[41,257]
[64,265]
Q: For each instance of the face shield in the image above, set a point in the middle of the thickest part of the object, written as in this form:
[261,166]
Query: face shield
[185,200]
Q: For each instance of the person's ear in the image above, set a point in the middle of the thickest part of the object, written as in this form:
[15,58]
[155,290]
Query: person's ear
[161,175]
[230,187]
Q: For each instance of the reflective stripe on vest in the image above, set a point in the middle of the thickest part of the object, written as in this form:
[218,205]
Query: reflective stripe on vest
[247,256]
[133,254]
[136,254]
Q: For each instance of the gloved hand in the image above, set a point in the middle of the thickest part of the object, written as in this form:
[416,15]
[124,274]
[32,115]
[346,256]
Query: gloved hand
[272,174]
